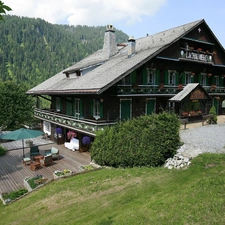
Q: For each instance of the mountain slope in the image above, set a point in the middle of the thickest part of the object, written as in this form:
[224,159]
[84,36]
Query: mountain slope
[32,50]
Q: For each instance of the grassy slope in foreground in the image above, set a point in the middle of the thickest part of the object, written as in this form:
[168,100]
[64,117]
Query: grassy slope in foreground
[129,196]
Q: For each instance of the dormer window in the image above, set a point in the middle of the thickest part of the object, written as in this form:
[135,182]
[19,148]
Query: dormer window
[74,74]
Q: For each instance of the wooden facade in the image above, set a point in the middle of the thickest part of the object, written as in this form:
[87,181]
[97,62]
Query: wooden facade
[146,87]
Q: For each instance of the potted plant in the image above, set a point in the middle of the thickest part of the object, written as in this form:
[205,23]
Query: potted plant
[58,132]
[29,143]
[71,134]
[86,141]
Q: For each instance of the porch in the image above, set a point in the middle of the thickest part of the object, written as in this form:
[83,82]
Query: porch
[13,171]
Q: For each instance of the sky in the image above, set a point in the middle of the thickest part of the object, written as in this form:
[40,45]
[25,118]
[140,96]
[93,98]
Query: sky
[136,18]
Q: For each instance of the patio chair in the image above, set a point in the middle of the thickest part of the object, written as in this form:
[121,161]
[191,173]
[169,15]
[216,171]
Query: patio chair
[54,152]
[34,151]
[47,160]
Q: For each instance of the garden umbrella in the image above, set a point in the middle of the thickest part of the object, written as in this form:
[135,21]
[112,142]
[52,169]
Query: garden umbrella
[21,133]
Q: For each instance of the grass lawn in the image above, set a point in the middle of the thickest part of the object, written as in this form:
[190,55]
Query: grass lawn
[129,196]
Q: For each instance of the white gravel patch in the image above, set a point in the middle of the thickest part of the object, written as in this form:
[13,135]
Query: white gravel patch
[210,138]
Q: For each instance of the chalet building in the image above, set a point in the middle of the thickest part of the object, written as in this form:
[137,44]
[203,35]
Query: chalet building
[181,69]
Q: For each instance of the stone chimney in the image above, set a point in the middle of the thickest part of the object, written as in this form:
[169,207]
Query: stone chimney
[110,46]
[131,46]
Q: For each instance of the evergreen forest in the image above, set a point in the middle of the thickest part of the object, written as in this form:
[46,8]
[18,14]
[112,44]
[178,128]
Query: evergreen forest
[32,50]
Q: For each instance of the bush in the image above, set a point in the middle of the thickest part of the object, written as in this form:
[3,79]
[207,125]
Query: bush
[14,194]
[143,141]
[2,150]
[213,112]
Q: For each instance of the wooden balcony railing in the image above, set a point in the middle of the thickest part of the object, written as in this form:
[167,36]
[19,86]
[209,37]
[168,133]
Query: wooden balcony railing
[86,126]
[161,88]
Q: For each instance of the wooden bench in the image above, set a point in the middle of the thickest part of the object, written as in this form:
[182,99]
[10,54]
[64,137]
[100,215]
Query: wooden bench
[184,122]
[206,117]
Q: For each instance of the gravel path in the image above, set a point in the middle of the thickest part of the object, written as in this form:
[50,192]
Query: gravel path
[210,138]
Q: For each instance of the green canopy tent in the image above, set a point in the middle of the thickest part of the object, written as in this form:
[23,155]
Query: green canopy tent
[21,133]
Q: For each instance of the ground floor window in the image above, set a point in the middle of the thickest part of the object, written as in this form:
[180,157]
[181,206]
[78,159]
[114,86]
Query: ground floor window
[47,127]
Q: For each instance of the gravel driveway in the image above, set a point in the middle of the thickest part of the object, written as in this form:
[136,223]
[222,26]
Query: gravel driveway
[210,138]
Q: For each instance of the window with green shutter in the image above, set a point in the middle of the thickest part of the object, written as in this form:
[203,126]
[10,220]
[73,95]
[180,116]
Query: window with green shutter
[77,108]
[69,110]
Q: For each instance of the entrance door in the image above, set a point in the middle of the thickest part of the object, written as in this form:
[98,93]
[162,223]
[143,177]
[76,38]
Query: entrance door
[125,109]
[150,106]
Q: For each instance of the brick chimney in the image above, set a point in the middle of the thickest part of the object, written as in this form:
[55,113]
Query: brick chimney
[131,46]
[110,46]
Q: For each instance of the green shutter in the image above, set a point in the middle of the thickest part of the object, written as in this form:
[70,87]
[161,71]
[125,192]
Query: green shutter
[166,74]
[183,77]
[92,102]
[157,74]
[199,78]
[68,107]
[144,77]
[81,107]
[61,104]
[133,77]
[101,109]
[177,79]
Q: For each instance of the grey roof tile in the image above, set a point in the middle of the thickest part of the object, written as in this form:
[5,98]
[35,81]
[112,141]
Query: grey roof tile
[114,68]
[182,94]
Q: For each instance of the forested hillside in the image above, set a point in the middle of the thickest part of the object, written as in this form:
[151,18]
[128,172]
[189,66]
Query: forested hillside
[32,50]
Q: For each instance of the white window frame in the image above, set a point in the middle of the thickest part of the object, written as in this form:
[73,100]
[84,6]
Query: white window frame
[217,80]
[151,76]
[203,79]
[188,77]
[58,107]
[47,127]
[77,108]
[172,77]
[96,109]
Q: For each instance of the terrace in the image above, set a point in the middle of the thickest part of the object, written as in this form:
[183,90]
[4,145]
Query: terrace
[13,171]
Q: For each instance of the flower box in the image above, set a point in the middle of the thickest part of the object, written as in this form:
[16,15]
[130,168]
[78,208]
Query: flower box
[31,183]
[60,174]
[90,167]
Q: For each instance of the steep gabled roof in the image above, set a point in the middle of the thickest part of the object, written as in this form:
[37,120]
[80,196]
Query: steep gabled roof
[114,68]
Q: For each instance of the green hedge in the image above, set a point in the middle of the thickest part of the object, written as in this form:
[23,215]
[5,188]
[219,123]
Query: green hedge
[143,141]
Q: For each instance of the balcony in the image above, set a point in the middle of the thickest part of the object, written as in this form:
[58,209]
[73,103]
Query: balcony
[161,88]
[81,125]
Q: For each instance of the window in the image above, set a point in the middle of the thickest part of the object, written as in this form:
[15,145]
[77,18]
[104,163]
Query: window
[126,80]
[150,76]
[187,78]
[47,127]
[58,108]
[217,80]
[77,108]
[172,78]
[203,79]
[96,109]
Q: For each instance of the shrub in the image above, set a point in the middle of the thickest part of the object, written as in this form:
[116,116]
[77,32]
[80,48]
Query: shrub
[143,141]
[14,194]
[2,150]
[213,112]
